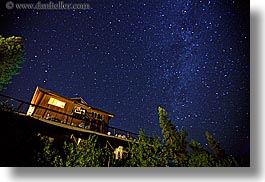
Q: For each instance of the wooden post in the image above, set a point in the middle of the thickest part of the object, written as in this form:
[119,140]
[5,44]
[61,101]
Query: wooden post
[67,119]
[71,120]
[44,113]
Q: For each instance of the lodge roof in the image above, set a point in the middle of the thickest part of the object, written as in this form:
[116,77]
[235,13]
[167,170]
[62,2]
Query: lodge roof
[79,99]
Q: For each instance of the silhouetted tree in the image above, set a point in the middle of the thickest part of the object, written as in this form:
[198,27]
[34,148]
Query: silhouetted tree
[215,146]
[222,159]
[199,156]
[11,57]
[175,142]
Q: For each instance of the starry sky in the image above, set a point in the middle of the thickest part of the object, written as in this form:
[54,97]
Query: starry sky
[128,57]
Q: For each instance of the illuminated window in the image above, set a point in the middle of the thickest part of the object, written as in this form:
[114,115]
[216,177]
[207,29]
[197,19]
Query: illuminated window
[56,102]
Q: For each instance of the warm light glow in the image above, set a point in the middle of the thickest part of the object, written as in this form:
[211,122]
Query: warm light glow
[30,110]
[56,102]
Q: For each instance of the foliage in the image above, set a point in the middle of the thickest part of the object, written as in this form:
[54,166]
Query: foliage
[171,150]
[52,155]
[175,146]
[146,152]
[200,157]
[11,56]
[222,160]
[49,156]
[215,146]
[87,154]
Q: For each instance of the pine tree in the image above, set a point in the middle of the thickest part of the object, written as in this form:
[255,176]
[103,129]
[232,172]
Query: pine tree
[222,159]
[11,57]
[175,142]
[199,156]
[215,146]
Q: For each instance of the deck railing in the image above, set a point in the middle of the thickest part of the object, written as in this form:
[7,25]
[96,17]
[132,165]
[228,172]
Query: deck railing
[19,106]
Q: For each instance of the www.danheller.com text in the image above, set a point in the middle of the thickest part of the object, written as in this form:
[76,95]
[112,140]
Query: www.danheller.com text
[47,6]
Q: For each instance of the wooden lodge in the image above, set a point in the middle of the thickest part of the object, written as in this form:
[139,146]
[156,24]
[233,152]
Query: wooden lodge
[71,111]
[62,118]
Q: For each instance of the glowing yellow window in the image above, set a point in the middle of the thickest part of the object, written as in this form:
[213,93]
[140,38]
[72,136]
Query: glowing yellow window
[56,102]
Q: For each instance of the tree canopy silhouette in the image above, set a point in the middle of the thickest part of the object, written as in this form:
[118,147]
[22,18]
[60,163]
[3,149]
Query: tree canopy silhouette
[11,57]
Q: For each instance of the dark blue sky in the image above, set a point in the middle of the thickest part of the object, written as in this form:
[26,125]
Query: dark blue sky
[129,57]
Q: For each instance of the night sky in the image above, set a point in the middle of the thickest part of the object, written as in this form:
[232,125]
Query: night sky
[129,57]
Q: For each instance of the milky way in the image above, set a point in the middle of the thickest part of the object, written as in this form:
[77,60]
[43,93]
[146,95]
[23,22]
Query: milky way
[129,57]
